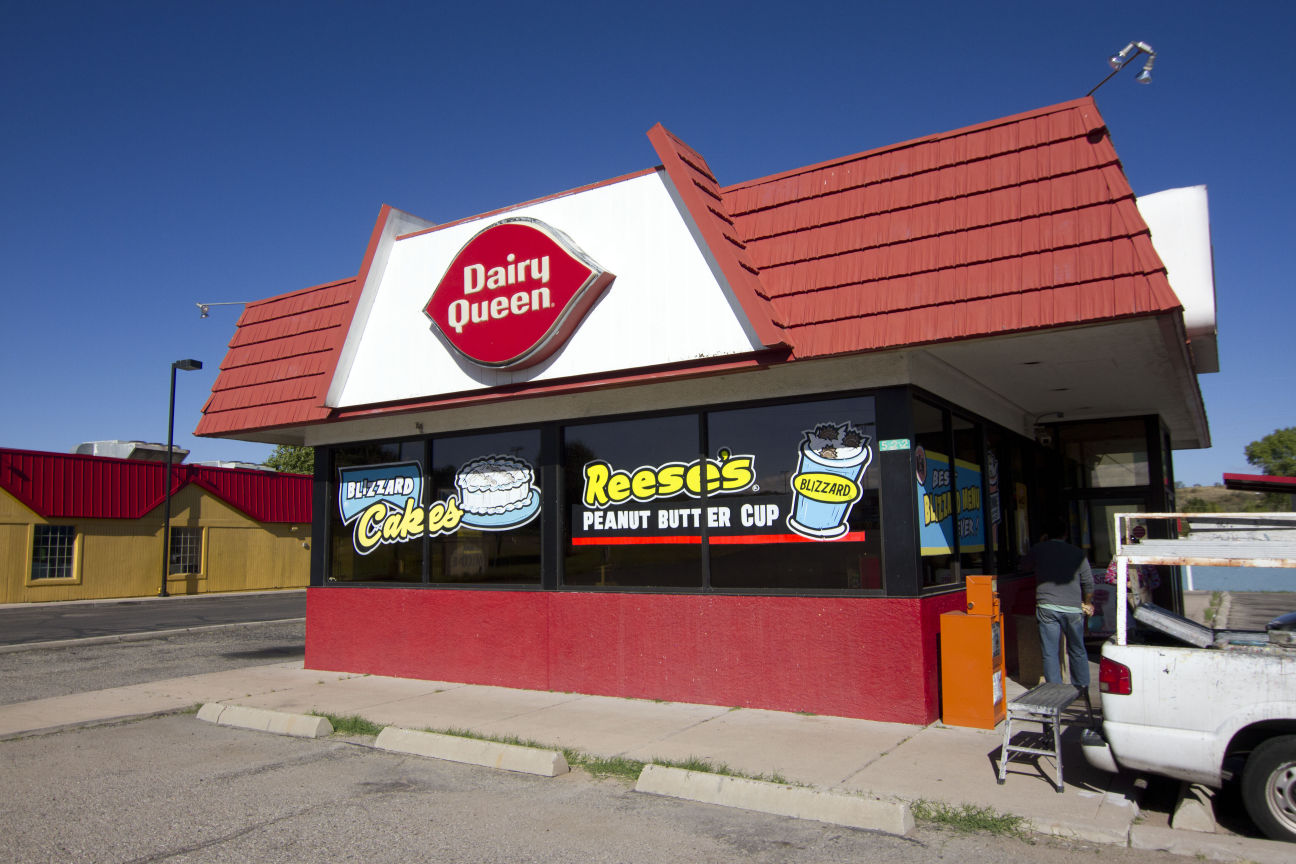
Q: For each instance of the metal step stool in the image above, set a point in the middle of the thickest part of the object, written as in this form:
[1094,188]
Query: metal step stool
[1042,704]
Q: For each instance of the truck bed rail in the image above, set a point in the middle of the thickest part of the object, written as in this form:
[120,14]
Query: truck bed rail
[1213,540]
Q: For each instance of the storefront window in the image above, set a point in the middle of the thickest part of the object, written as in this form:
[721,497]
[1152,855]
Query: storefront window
[632,495]
[810,519]
[934,476]
[998,479]
[1105,455]
[494,479]
[355,517]
[969,512]
[781,497]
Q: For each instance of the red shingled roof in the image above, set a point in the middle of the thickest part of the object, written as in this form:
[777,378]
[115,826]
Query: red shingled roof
[281,360]
[1017,224]
[75,486]
[1022,223]
[700,192]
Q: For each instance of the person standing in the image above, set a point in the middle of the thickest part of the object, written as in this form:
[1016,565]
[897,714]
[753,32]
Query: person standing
[1064,590]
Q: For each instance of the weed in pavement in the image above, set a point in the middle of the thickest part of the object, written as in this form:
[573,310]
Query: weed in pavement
[353,724]
[970,819]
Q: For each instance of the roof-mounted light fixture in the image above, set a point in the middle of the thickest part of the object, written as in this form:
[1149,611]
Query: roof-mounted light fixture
[204,308]
[1126,56]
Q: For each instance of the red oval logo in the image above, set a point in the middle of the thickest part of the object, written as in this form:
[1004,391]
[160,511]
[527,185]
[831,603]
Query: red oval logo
[515,292]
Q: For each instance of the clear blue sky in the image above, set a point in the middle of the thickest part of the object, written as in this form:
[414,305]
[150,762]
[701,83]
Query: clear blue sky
[159,154]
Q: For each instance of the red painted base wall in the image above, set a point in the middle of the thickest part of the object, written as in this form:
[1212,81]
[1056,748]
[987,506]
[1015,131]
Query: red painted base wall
[874,658]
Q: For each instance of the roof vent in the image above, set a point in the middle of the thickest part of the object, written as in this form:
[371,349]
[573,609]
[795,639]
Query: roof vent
[138,450]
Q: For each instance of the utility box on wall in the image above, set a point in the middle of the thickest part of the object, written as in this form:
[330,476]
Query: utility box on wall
[972,659]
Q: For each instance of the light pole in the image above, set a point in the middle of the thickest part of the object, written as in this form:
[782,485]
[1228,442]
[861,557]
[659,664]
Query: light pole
[187,366]
[1126,56]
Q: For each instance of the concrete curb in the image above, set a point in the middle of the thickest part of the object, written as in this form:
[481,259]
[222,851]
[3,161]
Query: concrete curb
[150,598]
[135,637]
[264,720]
[854,811]
[1213,847]
[1075,829]
[1222,614]
[473,751]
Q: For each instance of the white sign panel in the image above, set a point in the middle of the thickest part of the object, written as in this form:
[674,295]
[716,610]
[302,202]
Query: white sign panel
[666,304]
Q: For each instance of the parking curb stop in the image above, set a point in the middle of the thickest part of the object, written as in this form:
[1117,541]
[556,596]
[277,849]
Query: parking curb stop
[473,751]
[265,720]
[837,808]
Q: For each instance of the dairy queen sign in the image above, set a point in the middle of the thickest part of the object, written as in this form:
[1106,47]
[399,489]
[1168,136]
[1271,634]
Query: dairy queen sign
[514,293]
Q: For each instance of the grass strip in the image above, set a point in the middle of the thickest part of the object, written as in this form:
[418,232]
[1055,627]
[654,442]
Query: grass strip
[616,767]
[1213,608]
[970,819]
[350,725]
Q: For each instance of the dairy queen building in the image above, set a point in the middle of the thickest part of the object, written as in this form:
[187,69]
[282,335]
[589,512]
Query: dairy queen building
[663,438]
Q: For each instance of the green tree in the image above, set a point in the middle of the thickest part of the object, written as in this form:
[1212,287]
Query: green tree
[292,459]
[1275,453]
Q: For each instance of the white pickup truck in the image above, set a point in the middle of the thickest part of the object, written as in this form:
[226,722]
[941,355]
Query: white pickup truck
[1205,705]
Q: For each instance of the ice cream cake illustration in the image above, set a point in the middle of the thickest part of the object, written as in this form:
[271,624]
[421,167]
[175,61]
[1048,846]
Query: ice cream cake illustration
[497,493]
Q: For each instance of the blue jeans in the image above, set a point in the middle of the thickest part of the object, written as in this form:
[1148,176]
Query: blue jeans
[1052,625]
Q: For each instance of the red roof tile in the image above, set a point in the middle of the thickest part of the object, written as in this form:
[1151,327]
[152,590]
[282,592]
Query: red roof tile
[281,360]
[75,486]
[1016,224]
[1020,223]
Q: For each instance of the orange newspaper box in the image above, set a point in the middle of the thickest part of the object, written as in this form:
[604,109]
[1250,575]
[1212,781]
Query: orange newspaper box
[972,659]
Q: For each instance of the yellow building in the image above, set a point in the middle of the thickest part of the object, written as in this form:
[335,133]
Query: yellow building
[76,527]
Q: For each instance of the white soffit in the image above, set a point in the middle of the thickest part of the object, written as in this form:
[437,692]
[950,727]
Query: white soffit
[1180,223]
[666,304]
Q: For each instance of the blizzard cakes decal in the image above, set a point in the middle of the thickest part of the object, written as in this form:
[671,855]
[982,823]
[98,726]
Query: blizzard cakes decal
[514,293]
[383,503]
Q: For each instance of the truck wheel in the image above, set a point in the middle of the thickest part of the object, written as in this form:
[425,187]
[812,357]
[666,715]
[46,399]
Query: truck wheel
[1269,788]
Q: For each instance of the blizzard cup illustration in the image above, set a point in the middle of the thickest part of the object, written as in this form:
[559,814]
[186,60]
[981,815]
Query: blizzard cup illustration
[827,480]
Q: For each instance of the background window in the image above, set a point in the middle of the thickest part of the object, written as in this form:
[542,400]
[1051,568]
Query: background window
[1105,455]
[54,552]
[186,551]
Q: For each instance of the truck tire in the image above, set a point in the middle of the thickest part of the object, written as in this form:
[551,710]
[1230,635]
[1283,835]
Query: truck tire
[1269,787]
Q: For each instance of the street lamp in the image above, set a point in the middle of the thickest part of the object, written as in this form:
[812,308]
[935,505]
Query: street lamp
[187,366]
[204,308]
[1126,56]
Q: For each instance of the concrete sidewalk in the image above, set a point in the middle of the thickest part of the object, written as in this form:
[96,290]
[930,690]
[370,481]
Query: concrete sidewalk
[883,760]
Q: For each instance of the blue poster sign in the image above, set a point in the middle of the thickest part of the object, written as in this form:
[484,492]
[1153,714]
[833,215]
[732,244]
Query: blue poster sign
[947,504]
[395,483]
